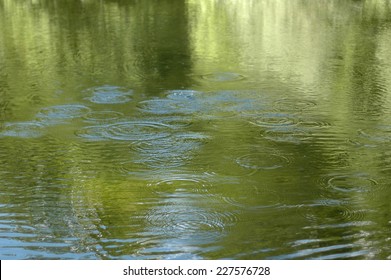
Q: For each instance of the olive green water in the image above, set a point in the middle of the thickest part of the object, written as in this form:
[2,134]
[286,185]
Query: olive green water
[255,129]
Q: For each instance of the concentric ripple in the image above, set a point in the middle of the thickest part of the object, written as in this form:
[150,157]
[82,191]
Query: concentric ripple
[225,164]
[313,124]
[351,183]
[137,131]
[180,185]
[290,134]
[183,94]
[167,106]
[127,131]
[262,161]
[162,161]
[173,121]
[351,214]
[227,102]
[102,116]
[223,77]
[180,143]
[342,209]
[186,221]
[306,212]
[176,122]
[363,140]
[109,95]
[135,169]
[22,129]
[229,170]
[61,112]
[97,132]
[372,139]
[273,120]
[253,197]
[290,104]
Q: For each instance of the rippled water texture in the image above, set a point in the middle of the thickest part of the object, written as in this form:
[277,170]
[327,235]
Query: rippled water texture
[205,129]
[109,95]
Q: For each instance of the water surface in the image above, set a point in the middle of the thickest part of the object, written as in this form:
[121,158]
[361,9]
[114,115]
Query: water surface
[195,129]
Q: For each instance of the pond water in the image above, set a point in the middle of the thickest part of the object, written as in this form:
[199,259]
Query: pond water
[195,129]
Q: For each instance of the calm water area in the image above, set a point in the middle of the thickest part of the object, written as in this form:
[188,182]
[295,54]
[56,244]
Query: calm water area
[195,129]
